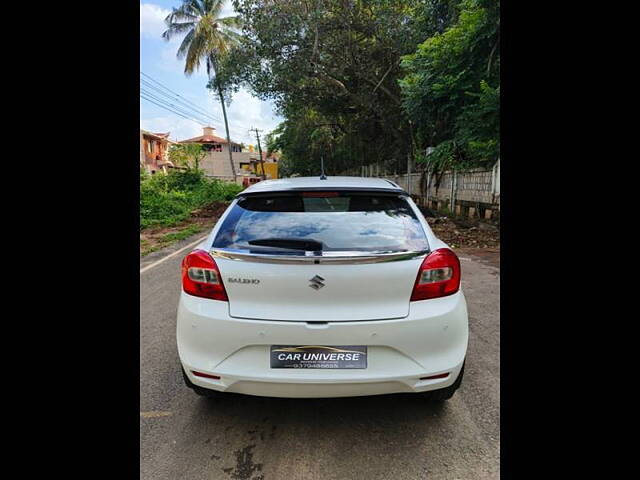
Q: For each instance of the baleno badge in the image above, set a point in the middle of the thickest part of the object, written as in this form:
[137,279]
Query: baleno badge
[251,281]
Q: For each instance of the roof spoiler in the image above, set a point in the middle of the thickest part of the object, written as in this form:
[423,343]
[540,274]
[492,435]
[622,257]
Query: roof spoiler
[397,191]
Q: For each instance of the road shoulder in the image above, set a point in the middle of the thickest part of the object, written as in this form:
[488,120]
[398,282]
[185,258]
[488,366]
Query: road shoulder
[174,247]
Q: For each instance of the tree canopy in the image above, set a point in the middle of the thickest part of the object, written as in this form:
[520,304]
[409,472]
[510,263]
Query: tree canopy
[187,155]
[451,89]
[362,82]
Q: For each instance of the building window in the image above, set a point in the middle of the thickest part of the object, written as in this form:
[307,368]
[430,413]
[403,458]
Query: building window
[215,147]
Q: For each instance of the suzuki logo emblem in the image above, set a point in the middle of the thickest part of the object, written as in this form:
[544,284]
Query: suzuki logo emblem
[316,282]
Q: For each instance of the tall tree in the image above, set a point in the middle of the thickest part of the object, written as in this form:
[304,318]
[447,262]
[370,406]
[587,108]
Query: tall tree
[207,37]
[331,68]
[375,81]
[451,89]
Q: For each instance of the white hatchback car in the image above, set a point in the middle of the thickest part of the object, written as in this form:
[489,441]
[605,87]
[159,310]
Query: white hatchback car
[333,287]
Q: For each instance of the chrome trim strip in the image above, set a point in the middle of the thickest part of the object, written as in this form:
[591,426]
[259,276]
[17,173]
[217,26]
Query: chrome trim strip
[334,258]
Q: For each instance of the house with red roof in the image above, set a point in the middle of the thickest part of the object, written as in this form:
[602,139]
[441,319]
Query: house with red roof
[216,161]
[154,151]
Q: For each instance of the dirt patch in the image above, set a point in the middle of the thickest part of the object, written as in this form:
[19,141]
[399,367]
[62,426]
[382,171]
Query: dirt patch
[488,256]
[245,468]
[213,210]
[155,238]
[464,232]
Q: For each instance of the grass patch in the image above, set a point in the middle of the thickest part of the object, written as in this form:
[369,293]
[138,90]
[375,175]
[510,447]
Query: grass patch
[182,234]
[147,247]
[178,205]
[168,200]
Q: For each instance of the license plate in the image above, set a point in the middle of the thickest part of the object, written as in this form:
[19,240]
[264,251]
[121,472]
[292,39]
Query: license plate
[318,356]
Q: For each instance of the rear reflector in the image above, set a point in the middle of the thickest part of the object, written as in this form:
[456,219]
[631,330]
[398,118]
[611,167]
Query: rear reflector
[205,375]
[433,377]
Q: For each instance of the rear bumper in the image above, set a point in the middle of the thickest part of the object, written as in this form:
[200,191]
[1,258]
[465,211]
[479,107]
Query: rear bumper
[431,340]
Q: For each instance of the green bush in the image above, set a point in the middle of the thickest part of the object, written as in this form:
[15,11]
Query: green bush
[166,200]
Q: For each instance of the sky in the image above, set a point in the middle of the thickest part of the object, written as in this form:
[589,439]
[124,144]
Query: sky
[158,61]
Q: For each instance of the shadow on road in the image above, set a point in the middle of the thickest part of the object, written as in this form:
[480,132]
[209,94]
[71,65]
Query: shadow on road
[395,407]
[348,436]
[383,417]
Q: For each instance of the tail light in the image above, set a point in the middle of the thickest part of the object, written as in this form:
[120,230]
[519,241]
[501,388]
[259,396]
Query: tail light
[201,277]
[439,275]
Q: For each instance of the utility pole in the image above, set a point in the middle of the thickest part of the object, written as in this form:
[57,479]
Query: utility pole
[264,176]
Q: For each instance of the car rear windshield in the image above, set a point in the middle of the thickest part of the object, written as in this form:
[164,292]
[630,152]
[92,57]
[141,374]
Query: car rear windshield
[326,221]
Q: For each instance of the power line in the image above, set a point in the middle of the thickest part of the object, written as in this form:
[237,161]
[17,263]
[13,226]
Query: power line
[171,91]
[185,113]
[175,109]
[152,100]
[207,118]
[174,106]
[183,104]
[187,108]
[192,106]
[180,111]
[172,111]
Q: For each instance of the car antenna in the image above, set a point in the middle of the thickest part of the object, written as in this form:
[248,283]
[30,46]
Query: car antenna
[322,175]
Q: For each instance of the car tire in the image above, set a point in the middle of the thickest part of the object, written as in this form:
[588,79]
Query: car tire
[445,394]
[203,392]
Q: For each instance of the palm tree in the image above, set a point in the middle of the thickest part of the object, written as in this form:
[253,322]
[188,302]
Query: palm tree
[208,37]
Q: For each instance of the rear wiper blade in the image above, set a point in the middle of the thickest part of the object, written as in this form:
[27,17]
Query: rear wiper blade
[291,243]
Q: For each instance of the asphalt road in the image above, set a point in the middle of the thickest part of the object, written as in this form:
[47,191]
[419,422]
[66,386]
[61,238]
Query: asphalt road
[183,436]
